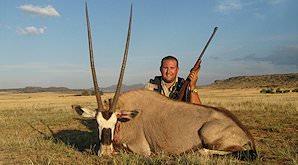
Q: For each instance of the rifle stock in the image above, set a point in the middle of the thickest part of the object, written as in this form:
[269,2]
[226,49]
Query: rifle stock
[195,67]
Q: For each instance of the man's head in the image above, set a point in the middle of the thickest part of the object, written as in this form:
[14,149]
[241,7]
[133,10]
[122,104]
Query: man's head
[169,69]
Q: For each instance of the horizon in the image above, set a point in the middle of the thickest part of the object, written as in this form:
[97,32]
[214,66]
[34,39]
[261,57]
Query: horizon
[128,85]
[44,43]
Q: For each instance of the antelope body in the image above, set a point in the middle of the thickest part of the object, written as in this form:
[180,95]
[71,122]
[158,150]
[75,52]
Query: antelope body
[149,122]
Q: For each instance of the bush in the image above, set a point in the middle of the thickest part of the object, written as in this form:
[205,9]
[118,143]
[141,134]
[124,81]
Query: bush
[85,93]
[286,91]
[270,90]
[93,93]
[278,90]
[90,93]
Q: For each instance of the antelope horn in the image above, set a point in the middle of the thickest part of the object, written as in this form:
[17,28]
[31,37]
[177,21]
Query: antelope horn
[96,88]
[118,89]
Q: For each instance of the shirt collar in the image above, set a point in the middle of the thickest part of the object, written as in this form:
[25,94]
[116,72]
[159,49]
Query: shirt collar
[166,91]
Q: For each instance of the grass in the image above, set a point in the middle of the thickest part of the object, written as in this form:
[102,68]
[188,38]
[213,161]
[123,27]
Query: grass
[41,128]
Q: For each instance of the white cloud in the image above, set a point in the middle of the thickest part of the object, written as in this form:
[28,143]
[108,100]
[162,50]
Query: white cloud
[31,30]
[45,11]
[276,2]
[259,15]
[6,27]
[252,6]
[229,5]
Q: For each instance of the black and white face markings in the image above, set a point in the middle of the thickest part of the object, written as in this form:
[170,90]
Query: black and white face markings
[106,124]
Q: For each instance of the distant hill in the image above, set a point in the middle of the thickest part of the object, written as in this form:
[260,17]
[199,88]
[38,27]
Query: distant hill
[289,80]
[124,87]
[34,89]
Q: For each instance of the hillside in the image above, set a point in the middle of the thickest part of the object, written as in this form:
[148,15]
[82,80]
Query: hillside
[31,89]
[289,80]
[35,89]
[124,87]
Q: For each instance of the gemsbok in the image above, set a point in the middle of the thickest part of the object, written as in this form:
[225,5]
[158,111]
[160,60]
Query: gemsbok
[144,121]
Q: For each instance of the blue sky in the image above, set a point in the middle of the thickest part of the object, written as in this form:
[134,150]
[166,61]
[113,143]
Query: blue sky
[44,42]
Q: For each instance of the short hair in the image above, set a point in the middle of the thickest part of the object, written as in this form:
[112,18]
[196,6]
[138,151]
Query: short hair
[169,58]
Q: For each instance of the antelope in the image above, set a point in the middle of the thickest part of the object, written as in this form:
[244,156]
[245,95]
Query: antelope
[145,121]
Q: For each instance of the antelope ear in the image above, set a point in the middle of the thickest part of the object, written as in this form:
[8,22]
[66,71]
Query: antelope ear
[84,112]
[125,116]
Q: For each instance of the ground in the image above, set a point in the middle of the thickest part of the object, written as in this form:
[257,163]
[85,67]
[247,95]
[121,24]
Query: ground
[41,128]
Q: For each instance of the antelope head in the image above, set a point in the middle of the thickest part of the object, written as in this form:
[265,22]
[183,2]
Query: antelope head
[106,118]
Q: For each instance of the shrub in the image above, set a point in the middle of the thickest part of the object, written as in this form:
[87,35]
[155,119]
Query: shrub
[278,90]
[93,93]
[90,93]
[85,93]
[270,90]
[286,91]
[263,91]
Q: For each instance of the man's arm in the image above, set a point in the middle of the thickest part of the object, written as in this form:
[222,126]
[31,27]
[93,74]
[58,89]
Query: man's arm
[194,96]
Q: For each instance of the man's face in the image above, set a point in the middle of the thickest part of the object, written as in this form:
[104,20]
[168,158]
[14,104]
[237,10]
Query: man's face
[169,70]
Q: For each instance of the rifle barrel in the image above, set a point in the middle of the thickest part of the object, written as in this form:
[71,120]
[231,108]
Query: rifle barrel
[203,51]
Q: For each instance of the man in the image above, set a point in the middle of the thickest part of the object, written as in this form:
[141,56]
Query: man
[169,84]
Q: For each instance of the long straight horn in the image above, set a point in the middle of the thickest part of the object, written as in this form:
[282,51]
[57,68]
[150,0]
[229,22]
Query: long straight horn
[96,88]
[118,89]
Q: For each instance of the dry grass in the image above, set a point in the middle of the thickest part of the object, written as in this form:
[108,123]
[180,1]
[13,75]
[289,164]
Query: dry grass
[27,120]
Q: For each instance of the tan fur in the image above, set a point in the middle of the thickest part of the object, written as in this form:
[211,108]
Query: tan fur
[176,127]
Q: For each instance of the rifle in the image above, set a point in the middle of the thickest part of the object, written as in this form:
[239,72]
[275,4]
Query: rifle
[195,67]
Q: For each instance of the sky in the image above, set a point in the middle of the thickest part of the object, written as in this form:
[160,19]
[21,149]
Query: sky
[44,42]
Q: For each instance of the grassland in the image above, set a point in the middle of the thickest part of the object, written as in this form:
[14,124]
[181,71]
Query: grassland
[41,128]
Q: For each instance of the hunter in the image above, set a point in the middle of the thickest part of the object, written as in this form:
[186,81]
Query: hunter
[169,84]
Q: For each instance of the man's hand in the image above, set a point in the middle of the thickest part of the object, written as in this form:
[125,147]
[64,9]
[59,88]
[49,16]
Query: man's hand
[193,76]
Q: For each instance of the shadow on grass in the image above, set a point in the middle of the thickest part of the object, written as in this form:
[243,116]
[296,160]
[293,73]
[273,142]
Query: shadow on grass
[81,140]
